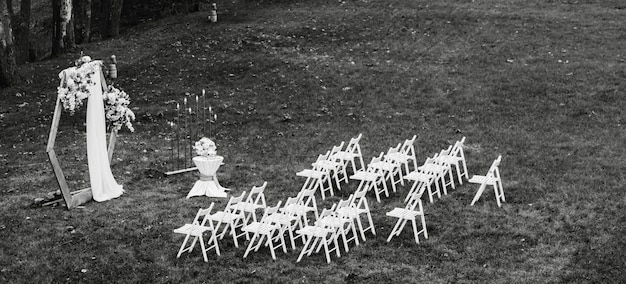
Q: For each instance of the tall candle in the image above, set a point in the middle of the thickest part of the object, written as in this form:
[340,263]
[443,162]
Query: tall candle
[203,113]
[189,135]
[177,136]
[171,147]
[197,118]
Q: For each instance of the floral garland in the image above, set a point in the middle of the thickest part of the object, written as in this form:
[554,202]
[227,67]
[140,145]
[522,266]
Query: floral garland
[74,89]
[76,82]
[116,109]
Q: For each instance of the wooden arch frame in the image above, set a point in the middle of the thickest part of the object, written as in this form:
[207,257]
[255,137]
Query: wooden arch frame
[72,198]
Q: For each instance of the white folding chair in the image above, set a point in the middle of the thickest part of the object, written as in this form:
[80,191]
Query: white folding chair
[318,177]
[254,201]
[491,179]
[319,236]
[409,213]
[357,208]
[438,171]
[288,222]
[422,180]
[266,231]
[231,217]
[342,223]
[334,166]
[196,229]
[351,153]
[392,169]
[304,205]
[456,158]
[371,177]
[406,155]
[446,169]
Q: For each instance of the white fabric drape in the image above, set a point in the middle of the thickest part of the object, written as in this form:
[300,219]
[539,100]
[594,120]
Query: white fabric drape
[103,184]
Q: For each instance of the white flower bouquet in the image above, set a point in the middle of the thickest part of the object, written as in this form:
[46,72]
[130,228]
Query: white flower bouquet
[205,147]
[76,81]
[116,109]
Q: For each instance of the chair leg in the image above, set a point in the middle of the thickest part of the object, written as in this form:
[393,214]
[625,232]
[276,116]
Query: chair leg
[394,230]
[206,259]
[304,249]
[415,231]
[182,247]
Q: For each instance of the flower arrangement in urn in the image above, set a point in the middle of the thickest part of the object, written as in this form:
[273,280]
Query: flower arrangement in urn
[205,147]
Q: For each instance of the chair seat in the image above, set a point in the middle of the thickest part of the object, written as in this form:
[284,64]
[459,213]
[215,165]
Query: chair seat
[418,176]
[247,206]
[385,166]
[482,179]
[398,157]
[278,218]
[326,164]
[366,176]
[403,213]
[447,159]
[344,156]
[332,221]
[192,229]
[314,231]
[226,217]
[297,209]
[351,211]
[311,173]
[261,228]
[432,168]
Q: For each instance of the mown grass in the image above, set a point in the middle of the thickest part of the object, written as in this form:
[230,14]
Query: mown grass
[540,82]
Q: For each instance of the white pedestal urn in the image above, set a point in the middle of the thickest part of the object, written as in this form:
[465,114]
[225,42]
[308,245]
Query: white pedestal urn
[208,184]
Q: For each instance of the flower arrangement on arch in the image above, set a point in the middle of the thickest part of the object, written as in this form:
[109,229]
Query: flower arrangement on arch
[116,109]
[205,147]
[75,83]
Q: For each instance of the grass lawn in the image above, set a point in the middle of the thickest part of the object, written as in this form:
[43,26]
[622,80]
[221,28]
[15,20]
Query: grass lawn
[540,82]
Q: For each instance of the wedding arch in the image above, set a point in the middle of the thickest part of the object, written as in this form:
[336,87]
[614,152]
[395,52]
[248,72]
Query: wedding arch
[70,95]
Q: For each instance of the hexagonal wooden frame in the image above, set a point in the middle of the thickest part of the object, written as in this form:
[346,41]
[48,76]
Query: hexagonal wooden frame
[75,198]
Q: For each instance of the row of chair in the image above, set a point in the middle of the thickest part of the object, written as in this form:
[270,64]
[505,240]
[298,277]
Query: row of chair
[436,175]
[332,166]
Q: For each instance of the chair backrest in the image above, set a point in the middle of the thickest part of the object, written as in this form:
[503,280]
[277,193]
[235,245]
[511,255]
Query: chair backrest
[291,200]
[353,145]
[407,146]
[202,214]
[375,160]
[306,197]
[336,149]
[270,211]
[344,202]
[230,206]
[493,170]
[446,152]
[328,212]
[257,195]
[394,149]
[414,200]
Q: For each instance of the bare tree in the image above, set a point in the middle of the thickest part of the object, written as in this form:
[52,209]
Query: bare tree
[63,27]
[8,67]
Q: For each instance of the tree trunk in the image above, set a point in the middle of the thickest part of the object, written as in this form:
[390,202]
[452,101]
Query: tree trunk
[82,20]
[111,12]
[116,14]
[22,32]
[8,68]
[63,31]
